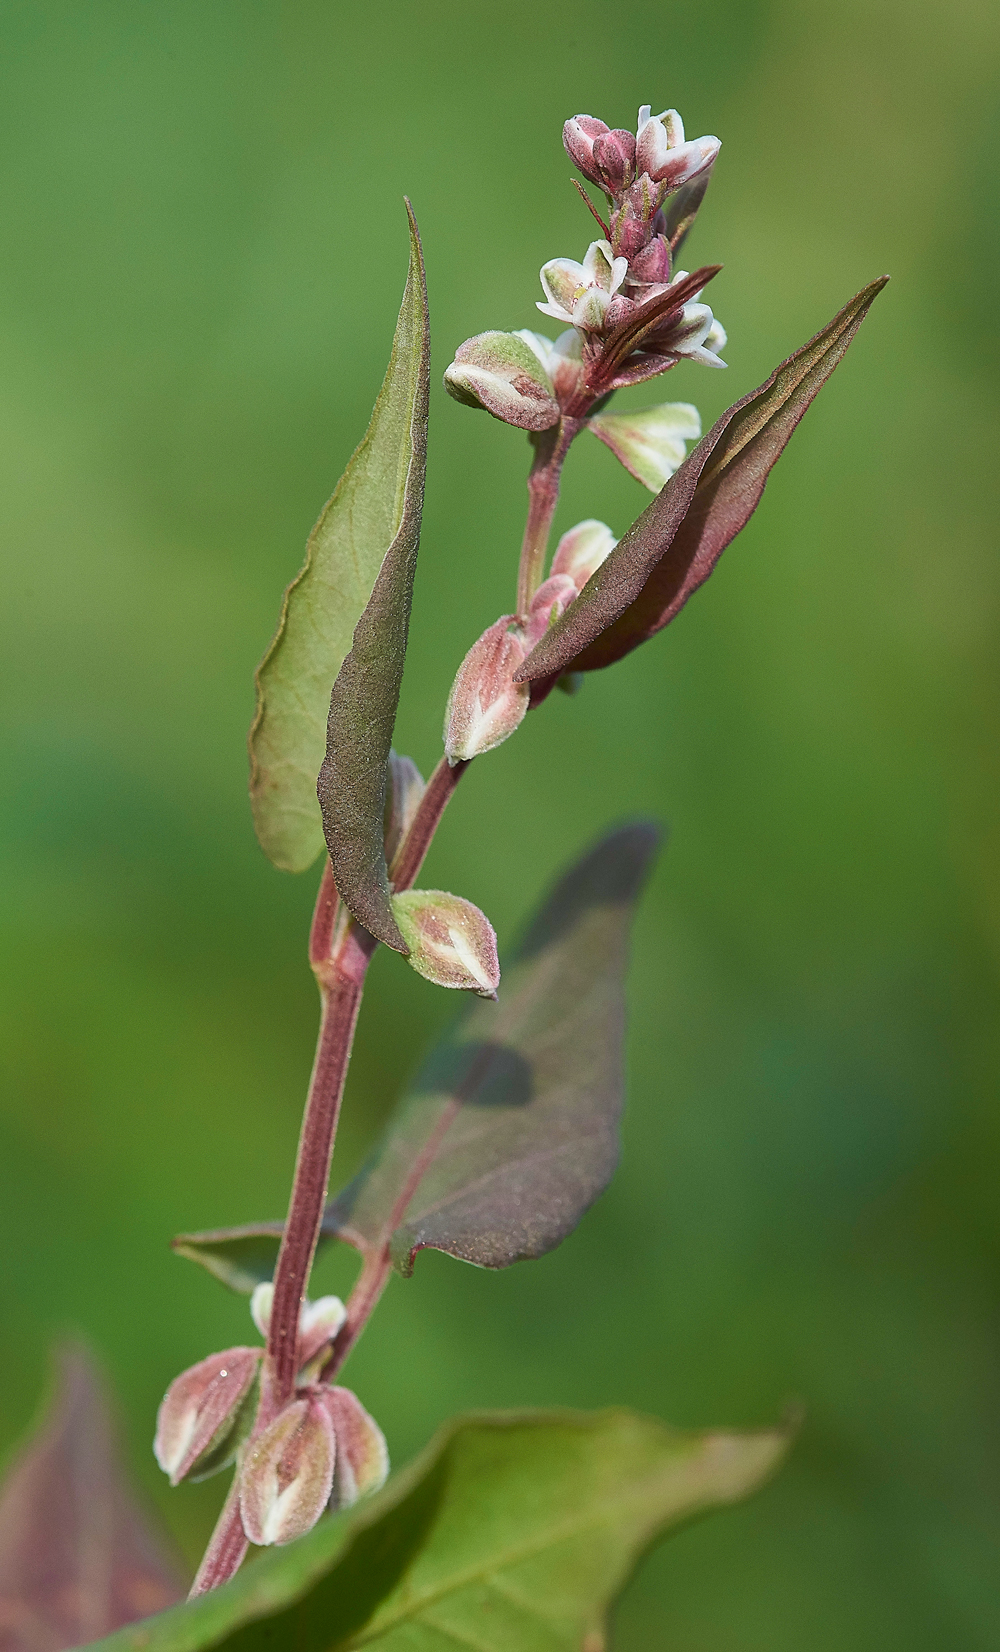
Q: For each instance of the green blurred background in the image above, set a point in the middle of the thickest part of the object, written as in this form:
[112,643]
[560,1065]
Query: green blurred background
[202,253]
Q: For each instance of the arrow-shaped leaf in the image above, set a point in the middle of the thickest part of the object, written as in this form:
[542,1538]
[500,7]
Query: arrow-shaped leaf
[365,540]
[78,1557]
[513,1532]
[510,1130]
[678,539]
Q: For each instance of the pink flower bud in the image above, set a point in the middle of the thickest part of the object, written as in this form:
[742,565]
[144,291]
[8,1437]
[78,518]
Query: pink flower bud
[286,1480]
[502,374]
[580,552]
[551,599]
[451,942]
[198,1425]
[578,138]
[404,789]
[485,705]
[362,1458]
[651,265]
[614,153]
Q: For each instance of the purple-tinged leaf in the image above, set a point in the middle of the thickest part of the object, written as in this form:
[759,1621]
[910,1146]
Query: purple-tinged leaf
[684,208]
[635,330]
[352,780]
[78,1556]
[372,520]
[678,539]
[510,1131]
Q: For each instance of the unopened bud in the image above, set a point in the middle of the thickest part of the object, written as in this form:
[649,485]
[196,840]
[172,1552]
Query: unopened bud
[551,599]
[485,705]
[201,1420]
[451,942]
[579,135]
[362,1461]
[614,153]
[651,265]
[403,790]
[650,442]
[501,373]
[319,1321]
[580,552]
[286,1480]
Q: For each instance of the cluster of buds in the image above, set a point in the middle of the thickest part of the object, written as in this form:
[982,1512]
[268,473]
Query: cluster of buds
[629,313]
[486,705]
[321,1451]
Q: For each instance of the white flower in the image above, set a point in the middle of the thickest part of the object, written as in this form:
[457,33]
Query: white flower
[661,152]
[562,359]
[580,293]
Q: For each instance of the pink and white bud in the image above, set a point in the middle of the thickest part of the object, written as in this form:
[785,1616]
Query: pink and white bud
[404,788]
[579,135]
[581,293]
[501,374]
[362,1461]
[580,552]
[198,1423]
[319,1321]
[287,1478]
[662,153]
[614,153]
[650,442]
[551,599]
[562,361]
[451,942]
[485,705]
[651,264]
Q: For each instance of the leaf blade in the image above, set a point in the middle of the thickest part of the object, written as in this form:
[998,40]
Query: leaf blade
[510,1131]
[78,1557]
[538,1516]
[346,552]
[675,544]
[352,779]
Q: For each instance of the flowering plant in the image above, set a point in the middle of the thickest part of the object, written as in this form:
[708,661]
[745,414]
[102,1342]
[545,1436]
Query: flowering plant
[509,1132]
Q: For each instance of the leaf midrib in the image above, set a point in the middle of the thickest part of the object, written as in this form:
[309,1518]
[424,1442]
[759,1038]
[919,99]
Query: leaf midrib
[610,1510]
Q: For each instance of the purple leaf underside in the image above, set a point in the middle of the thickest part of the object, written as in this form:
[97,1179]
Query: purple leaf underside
[78,1556]
[675,544]
[510,1131]
[352,780]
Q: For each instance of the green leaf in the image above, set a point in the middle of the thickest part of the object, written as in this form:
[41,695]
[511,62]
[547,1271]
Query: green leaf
[372,520]
[242,1257]
[352,779]
[510,1130]
[513,1532]
[78,1555]
[678,539]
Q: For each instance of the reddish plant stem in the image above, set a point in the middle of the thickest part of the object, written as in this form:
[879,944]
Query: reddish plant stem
[341,980]
[339,952]
[410,855]
[551,448]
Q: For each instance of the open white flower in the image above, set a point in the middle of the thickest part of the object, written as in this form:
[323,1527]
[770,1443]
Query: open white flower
[580,293]
[662,153]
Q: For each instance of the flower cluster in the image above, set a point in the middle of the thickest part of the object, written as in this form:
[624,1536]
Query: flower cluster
[629,313]
[322,1450]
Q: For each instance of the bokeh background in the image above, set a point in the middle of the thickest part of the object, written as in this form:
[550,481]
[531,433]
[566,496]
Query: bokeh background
[201,256]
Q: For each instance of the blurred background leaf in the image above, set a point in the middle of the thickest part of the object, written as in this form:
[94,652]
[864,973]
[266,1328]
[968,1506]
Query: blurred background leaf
[198,287]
